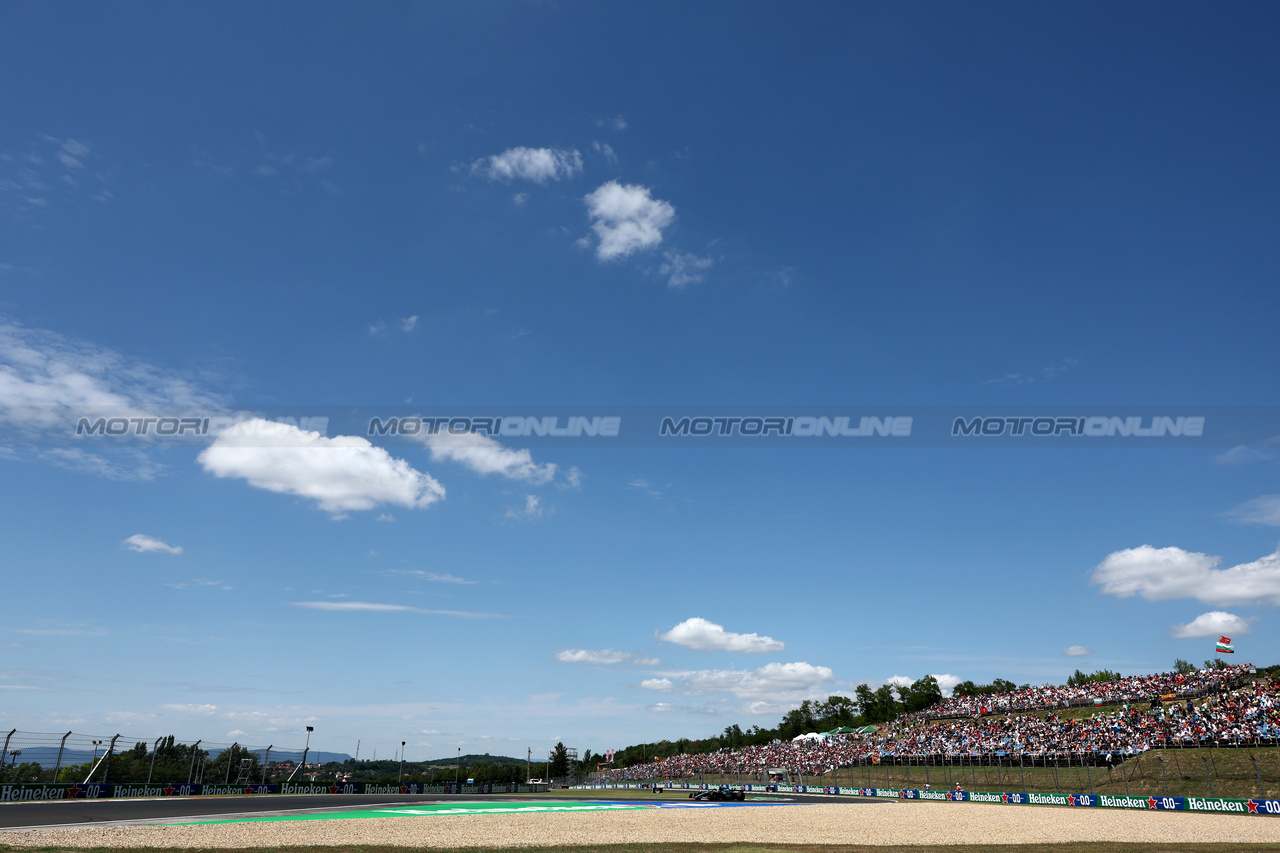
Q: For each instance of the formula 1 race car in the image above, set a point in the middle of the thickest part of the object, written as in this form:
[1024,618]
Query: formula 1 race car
[718,795]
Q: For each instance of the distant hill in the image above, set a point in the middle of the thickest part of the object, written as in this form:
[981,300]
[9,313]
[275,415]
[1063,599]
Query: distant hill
[471,759]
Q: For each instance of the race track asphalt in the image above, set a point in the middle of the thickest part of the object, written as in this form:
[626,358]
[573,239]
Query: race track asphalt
[27,815]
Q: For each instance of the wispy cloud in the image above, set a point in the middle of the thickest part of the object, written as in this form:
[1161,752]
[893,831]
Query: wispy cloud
[146,544]
[1077,651]
[683,268]
[599,656]
[374,607]
[1044,374]
[1260,510]
[538,165]
[532,509]
[615,123]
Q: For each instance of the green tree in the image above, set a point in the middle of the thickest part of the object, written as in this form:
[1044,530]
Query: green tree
[1182,667]
[922,694]
[559,761]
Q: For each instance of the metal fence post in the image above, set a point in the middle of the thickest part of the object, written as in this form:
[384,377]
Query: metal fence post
[267,754]
[192,768]
[1257,774]
[155,746]
[58,765]
[1124,771]
[1056,786]
[1208,774]
[1164,773]
[4,752]
[1022,769]
[106,776]
[1088,772]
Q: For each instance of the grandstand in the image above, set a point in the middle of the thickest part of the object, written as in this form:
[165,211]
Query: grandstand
[1028,728]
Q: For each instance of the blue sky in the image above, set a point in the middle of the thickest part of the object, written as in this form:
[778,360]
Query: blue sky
[264,212]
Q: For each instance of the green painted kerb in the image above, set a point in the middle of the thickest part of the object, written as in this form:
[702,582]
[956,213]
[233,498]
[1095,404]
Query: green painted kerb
[436,809]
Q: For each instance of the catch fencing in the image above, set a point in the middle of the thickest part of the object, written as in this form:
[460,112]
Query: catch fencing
[57,757]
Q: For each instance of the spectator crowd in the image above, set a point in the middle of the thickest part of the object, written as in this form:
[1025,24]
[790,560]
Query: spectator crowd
[1248,715]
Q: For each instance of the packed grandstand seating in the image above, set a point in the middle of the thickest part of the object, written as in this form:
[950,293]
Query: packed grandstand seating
[1134,688]
[1249,714]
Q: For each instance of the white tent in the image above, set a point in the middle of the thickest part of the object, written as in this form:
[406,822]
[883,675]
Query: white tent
[809,736]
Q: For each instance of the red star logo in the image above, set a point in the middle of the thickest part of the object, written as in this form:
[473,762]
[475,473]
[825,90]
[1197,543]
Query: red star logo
[1004,798]
[73,791]
[1071,800]
[404,789]
[1253,806]
[168,791]
[333,790]
[1151,802]
[248,789]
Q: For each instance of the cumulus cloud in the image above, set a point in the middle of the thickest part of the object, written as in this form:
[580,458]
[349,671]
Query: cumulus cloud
[1215,623]
[407,324]
[1161,574]
[626,219]
[341,474]
[531,164]
[705,636]
[375,607]
[768,686]
[1077,651]
[590,656]
[947,681]
[1260,510]
[683,269]
[657,684]
[486,455]
[142,543]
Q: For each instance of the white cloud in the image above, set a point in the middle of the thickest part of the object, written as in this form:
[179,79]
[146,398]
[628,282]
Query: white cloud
[589,656]
[486,455]
[769,685]
[143,543]
[647,661]
[1077,651]
[947,681]
[531,164]
[605,150]
[657,684]
[1215,623]
[447,578]
[1161,574]
[341,474]
[626,219]
[532,508]
[705,636]
[374,607]
[1260,510]
[407,324]
[386,516]
[900,681]
[615,123]
[683,269]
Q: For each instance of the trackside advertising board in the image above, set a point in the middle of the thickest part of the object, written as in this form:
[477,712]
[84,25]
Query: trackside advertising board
[1017,798]
[121,790]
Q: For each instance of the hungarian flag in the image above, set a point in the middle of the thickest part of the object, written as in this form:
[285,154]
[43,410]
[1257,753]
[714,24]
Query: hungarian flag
[1225,647]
